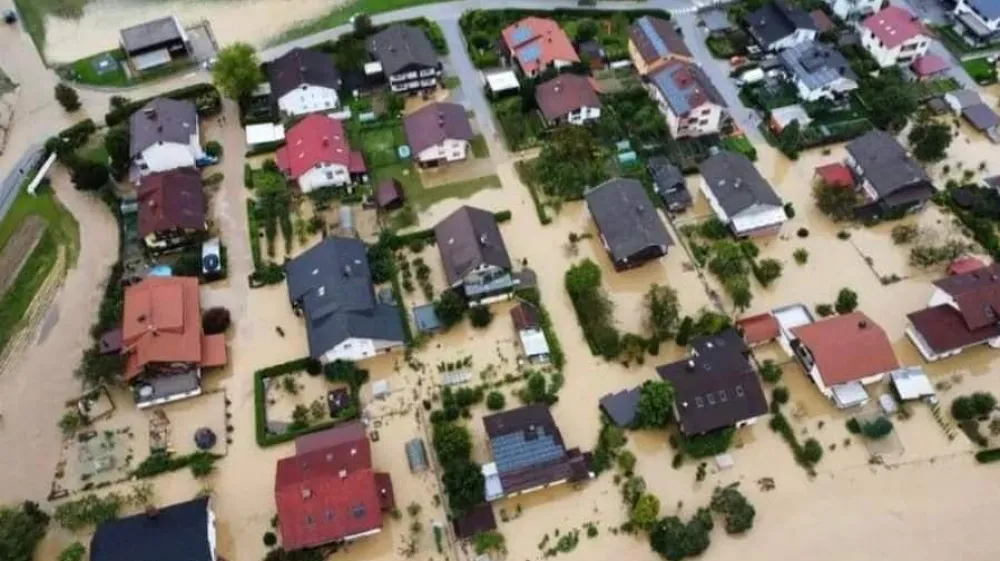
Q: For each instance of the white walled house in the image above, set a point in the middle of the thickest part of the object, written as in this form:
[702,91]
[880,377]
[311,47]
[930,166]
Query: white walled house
[818,71]
[853,9]
[164,135]
[474,256]
[740,197]
[568,98]
[304,81]
[980,18]
[316,154]
[894,36]
[961,313]
[438,133]
[406,57]
[778,25]
[687,98]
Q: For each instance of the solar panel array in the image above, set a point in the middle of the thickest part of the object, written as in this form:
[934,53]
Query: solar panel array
[654,38]
[530,53]
[521,34]
[676,94]
[514,451]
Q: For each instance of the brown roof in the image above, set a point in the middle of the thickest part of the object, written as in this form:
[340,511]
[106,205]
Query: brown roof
[213,350]
[964,265]
[161,323]
[468,238]
[565,93]
[171,200]
[435,123]
[524,316]
[656,39]
[347,432]
[847,348]
[977,295]
[476,520]
[760,328]
[943,329]
[389,192]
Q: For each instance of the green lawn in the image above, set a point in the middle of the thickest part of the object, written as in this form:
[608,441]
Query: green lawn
[981,70]
[379,143]
[84,72]
[422,197]
[61,223]
[341,15]
[740,144]
[15,302]
[452,82]
[479,147]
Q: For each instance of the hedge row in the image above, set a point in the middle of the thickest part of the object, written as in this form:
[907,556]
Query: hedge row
[526,171]
[206,98]
[71,138]
[988,456]
[160,462]
[260,412]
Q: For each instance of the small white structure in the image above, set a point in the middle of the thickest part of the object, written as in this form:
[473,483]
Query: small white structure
[853,9]
[911,383]
[501,82]
[304,81]
[784,116]
[264,133]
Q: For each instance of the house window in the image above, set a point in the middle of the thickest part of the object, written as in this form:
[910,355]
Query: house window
[329,174]
[739,391]
[698,401]
[722,396]
[711,398]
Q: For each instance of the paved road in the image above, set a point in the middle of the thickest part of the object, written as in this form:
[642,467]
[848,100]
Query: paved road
[14,178]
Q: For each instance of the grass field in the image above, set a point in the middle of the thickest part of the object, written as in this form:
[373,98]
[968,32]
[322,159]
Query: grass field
[981,70]
[479,147]
[341,15]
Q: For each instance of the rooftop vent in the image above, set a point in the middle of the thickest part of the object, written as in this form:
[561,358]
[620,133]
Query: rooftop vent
[863,324]
[307,493]
[343,474]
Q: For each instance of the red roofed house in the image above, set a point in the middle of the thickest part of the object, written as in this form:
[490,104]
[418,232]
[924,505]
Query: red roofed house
[963,311]
[317,154]
[894,36]
[687,98]
[838,175]
[928,66]
[568,98]
[842,354]
[537,44]
[759,329]
[171,208]
[328,493]
[162,340]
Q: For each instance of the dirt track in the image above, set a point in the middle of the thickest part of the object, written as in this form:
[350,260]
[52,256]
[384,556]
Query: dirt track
[18,249]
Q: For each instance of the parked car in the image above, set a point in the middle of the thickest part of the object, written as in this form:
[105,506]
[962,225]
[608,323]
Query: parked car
[9,16]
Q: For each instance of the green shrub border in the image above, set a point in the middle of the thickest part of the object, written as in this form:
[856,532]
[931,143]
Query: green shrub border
[161,461]
[988,456]
[263,439]
[525,170]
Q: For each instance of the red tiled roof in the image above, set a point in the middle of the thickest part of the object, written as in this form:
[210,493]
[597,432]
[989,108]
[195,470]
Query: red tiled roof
[565,93]
[169,200]
[357,162]
[943,329]
[976,294]
[317,139]
[964,265]
[213,350]
[760,328]
[329,494]
[524,316]
[835,174]
[929,64]
[847,348]
[161,323]
[893,26]
[340,434]
[543,35]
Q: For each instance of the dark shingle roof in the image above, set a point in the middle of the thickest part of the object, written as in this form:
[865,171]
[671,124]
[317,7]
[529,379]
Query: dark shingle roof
[628,220]
[151,33]
[716,386]
[332,283]
[736,183]
[173,533]
[565,93]
[655,38]
[886,164]
[399,46]
[434,123]
[666,176]
[172,199]
[981,117]
[162,120]
[301,66]
[468,238]
[777,20]
[621,406]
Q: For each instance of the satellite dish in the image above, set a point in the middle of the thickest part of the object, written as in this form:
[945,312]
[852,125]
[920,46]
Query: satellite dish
[145,390]
[210,263]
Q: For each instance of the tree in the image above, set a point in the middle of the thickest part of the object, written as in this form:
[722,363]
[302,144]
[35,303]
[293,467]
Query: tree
[770,372]
[67,97]
[300,416]
[450,308]
[684,331]
[70,422]
[962,408]
[97,369]
[739,291]
[847,301]
[812,451]
[983,403]
[351,53]
[489,542]
[202,463]
[768,270]
[788,139]
[780,395]
[495,401]
[930,141]
[73,552]
[237,70]
[891,99]
[662,312]
[570,162]
[215,320]
[116,143]
[676,540]
[88,175]
[835,201]
[480,316]
[464,484]
[626,461]
[363,25]
[394,104]
[877,429]
[451,442]
[736,509]
[21,528]
[656,399]
[586,29]
[646,511]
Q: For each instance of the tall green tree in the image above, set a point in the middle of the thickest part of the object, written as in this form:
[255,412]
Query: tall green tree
[930,141]
[237,70]
[363,25]
[570,163]
[656,399]
[891,100]
[116,143]
[67,97]
[452,443]
[663,311]
[835,201]
[21,528]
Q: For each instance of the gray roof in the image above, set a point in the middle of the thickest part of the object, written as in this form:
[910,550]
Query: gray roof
[816,64]
[416,455]
[776,20]
[332,283]
[736,183]
[621,407]
[523,437]
[162,120]
[151,33]
[685,86]
[300,67]
[178,531]
[626,217]
[716,20]
[965,98]
[669,182]
[468,238]
[399,47]
[434,123]
[981,117]
[655,39]
[885,163]
[989,9]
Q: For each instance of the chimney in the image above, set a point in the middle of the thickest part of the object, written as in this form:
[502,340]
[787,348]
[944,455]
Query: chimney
[306,493]
[150,113]
[326,141]
[690,365]
[863,324]
[343,474]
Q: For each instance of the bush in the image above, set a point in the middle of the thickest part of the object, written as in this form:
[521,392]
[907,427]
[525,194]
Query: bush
[708,444]
[480,316]
[789,210]
[736,509]
[88,176]
[770,372]
[450,308]
[904,233]
[802,232]
[73,552]
[847,301]
[801,255]
[877,429]
[215,320]
[780,395]
[853,426]
[812,451]
[88,511]
[270,540]
[213,149]
[495,401]
[767,271]
[983,403]
[824,310]
[593,309]
[987,456]
[962,408]
[67,97]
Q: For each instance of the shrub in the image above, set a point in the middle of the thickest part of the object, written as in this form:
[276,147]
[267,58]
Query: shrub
[215,320]
[877,429]
[767,271]
[847,301]
[801,255]
[480,316]
[213,149]
[736,509]
[853,426]
[802,232]
[450,308]
[812,451]
[710,443]
[962,408]
[904,233]
[770,372]
[987,456]
[270,540]
[87,511]
[789,211]
[843,235]
[593,309]
[983,403]
[824,310]
[780,395]
[75,551]
[495,401]
[67,97]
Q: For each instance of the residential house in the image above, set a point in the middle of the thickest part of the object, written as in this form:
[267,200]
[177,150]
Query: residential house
[782,117]
[979,19]
[529,453]
[963,311]
[778,25]
[630,227]
[407,57]
[164,135]
[330,284]
[818,71]
[171,209]
[568,98]
[891,181]
[474,256]
[592,53]
[716,386]
[894,36]
[740,196]
[653,41]
[929,66]
[759,329]
[537,44]
[530,333]
[438,133]
[183,531]
[968,104]
[834,175]
[621,407]
[842,354]
[317,154]
[716,22]
[669,183]
[853,9]
[154,43]
[328,492]
[304,81]
[688,99]
[164,346]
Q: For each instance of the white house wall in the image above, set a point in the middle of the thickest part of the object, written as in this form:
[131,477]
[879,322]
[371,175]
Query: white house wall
[358,349]
[905,52]
[168,156]
[757,218]
[327,175]
[308,99]
[451,150]
[583,115]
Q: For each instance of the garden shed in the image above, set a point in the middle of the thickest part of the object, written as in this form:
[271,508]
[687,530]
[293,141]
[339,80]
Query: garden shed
[416,455]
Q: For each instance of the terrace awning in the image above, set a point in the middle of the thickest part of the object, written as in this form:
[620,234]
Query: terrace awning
[151,59]
[849,395]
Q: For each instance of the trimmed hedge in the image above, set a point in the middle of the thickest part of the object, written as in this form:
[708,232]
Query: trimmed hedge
[205,97]
[260,412]
[160,462]
[71,138]
[988,456]
[533,296]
